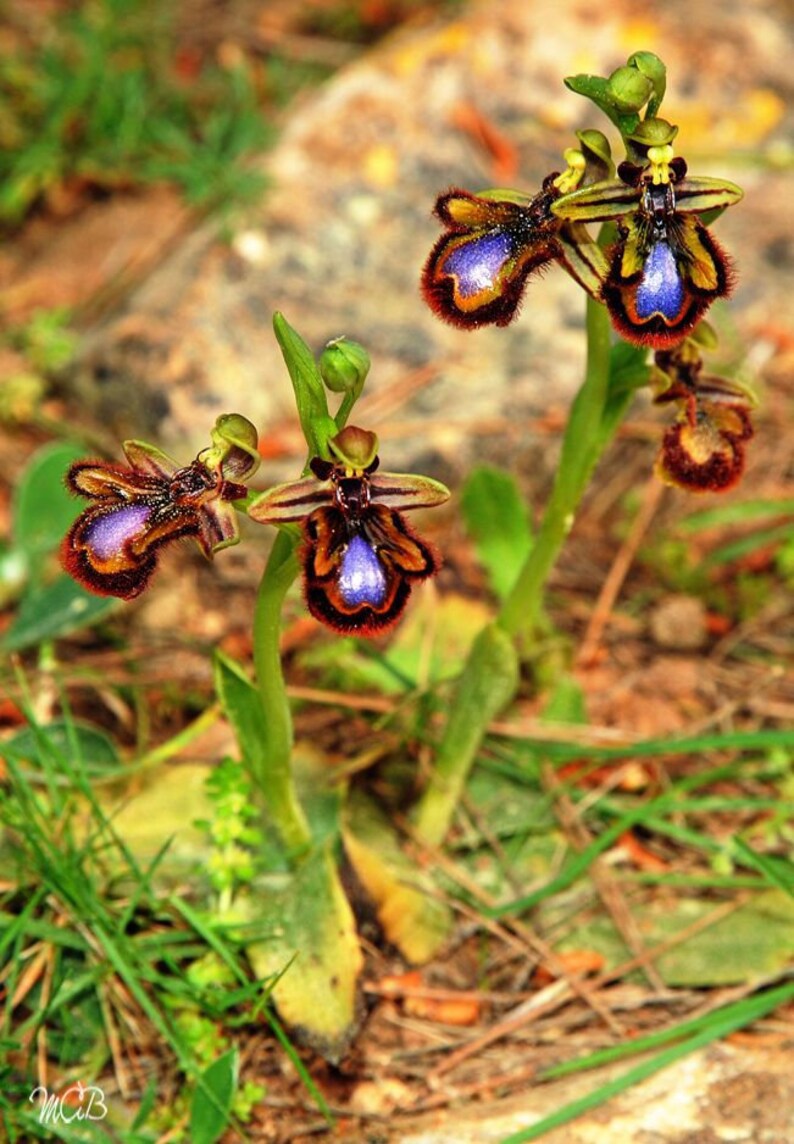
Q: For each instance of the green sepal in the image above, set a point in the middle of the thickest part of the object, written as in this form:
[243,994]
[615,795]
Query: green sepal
[599,201]
[316,422]
[290,502]
[583,258]
[234,450]
[506,195]
[705,336]
[653,132]
[598,155]
[354,448]
[697,194]
[706,196]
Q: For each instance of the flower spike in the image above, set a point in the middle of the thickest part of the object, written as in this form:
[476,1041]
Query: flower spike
[360,557]
[112,547]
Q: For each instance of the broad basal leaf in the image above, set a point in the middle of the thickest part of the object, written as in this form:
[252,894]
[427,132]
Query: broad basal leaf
[309,926]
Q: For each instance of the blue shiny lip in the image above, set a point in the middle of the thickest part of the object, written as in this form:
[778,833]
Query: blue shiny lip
[476,264]
[109,532]
[362,580]
[661,290]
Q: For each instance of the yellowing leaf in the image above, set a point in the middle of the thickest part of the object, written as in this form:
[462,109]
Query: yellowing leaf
[412,919]
[309,926]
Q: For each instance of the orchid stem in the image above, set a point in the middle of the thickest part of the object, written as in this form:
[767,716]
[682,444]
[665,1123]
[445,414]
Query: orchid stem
[275,780]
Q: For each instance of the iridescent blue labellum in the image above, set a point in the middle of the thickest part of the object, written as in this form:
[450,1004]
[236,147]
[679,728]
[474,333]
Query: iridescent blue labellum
[362,580]
[665,272]
[111,549]
[666,269]
[360,557]
[660,289]
[358,571]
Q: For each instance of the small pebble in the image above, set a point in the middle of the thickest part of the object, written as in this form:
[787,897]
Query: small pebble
[679,623]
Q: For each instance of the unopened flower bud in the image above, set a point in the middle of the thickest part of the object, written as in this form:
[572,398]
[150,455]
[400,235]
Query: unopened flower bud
[344,366]
[628,89]
[652,67]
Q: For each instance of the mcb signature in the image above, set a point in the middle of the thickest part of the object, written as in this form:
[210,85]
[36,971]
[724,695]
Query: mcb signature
[76,1103]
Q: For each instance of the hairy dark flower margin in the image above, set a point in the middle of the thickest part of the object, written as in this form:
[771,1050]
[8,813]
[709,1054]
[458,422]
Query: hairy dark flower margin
[360,556]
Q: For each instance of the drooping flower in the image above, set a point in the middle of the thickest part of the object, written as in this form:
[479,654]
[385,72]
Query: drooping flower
[704,450]
[666,268]
[477,271]
[360,557]
[112,547]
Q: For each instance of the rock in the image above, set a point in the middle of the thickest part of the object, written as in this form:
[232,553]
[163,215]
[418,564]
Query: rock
[720,1093]
[679,623]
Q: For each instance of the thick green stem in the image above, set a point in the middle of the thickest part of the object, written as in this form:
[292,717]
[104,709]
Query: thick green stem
[275,779]
[487,685]
[490,678]
[581,448]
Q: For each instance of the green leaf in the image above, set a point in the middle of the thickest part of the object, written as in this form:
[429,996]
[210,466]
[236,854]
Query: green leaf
[749,944]
[242,705]
[316,422]
[566,704]
[628,368]
[777,871]
[212,1101]
[428,648]
[498,522]
[753,942]
[77,742]
[43,509]
[166,807]
[309,924]
[56,610]
[738,512]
